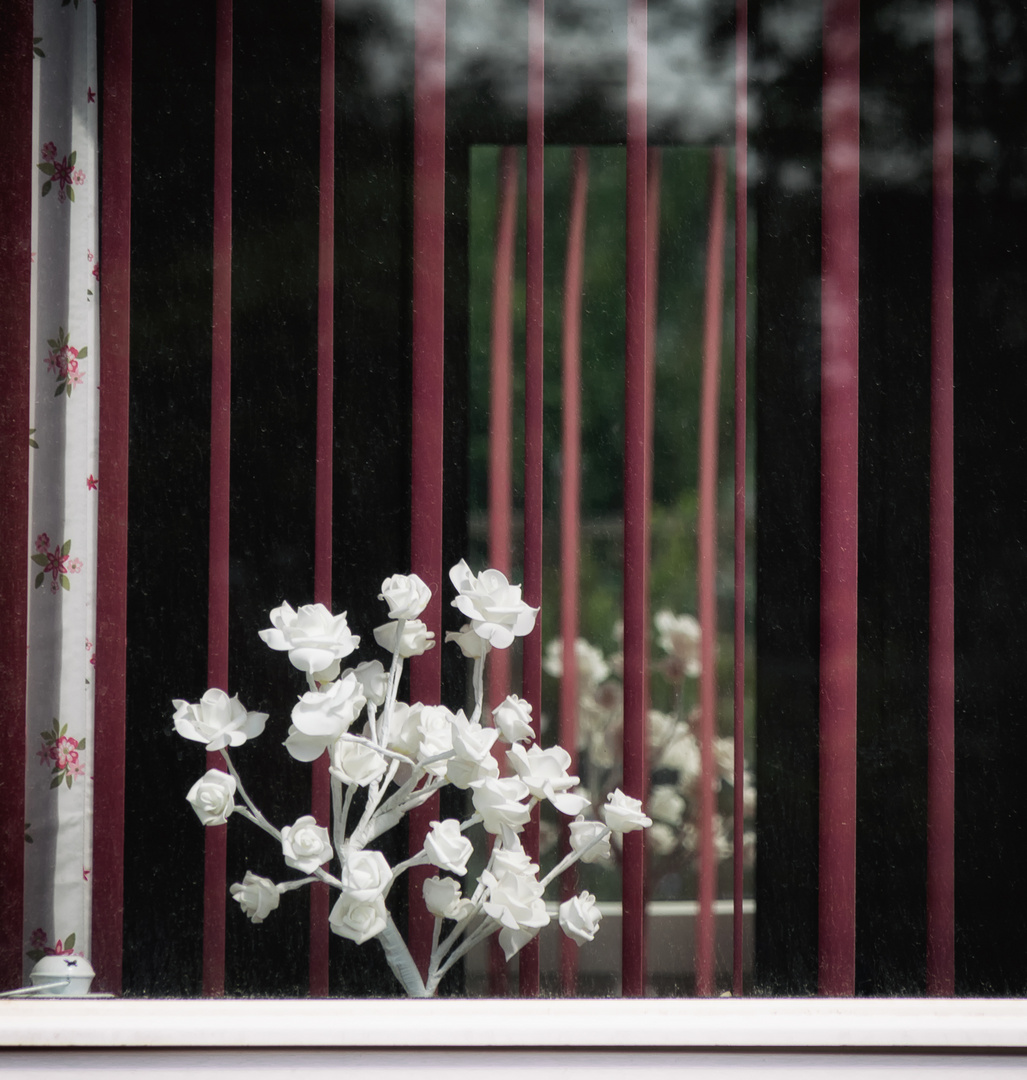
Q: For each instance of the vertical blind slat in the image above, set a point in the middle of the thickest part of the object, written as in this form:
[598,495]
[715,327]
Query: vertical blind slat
[15,306]
[570,513]
[215,872]
[942,658]
[636,486]
[741,335]
[713,302]
[429,260]
[532,655]
[112,526]
[838,498]
[320,784]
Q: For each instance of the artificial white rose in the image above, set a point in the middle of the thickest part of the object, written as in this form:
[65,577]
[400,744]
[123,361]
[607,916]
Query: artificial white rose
[512,941]
[321,716]
[356,763]
[406,594]
[545,773]
[442,896]
[404,736]
[257,896]
[579,917]
[415,640]
[513,719]
[447,847]
[365,875]
[499,803]
[313,636]
[213,797]
[470,644]
[305,844]
[373,679]
[666,804]
[514,900]
[217,720]
[436,730]
[624,814]
[494,606]
[358,920]
[472,753]
[586,833]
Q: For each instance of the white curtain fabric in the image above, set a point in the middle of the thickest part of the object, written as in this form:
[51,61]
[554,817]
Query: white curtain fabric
[63,480]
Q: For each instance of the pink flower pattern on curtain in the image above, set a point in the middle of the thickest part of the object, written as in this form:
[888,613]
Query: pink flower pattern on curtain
[64,479]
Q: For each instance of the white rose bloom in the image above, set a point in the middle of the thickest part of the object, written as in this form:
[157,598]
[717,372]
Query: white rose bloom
[257,896]
[472,760]
[470,644]
[515,901]
[373,679]
[579,917]
[406,594]
[322,716]
[494,606]
[415,640]
[358,920]
[511,860]
[513,720]
[624,814]
[436,730]
[545,773]
[404,735]
[217,720]
[584,833]
[498,802]
[356,763]
[305,844]
[666,804]
[213,797]
[442,897]
[447,847]
[313,636]
[365,875]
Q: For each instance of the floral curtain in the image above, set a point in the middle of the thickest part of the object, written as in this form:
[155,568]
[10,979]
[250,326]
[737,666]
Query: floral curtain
[63,480]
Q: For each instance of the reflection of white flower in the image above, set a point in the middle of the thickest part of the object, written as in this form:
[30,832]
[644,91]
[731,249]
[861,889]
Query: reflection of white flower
[513,719]
[579,917]
[494,606]
[217,720]
[662,839]
[365,875]
[681,637]
[213,797]
[498,802]
[305,844]
[356,763]
[545,773]
[406,594]
[592,668]
[447,847]
[584,834]
[624,814]
[257,896]
[470,644]
[415,640]
[314,637]
[442,896]
[358,920]
[666,804]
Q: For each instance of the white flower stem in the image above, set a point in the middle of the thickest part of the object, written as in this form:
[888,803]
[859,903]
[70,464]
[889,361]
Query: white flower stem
[573,857]
[298,883]
[257,817]
[398,957]
[371,722]
[340,808]
[478,681]
[415,860]
[485,931]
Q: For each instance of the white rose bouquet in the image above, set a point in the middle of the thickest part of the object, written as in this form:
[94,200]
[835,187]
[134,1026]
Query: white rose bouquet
[399,755]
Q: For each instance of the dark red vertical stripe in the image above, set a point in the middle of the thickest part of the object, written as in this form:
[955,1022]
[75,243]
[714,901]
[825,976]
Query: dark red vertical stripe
[713,304]
[215,875]
[570,510]
[636,487]
[532,656]
[112,530]
[838,497]
[941,959]
[16,178]
[500,399]
[427,394]
[321,794]
[741,353]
